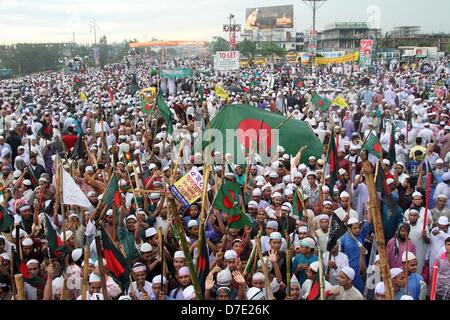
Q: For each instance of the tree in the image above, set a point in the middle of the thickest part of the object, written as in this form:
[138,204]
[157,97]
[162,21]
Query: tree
[104,51]
[268,49]
[247,48]
[219,44]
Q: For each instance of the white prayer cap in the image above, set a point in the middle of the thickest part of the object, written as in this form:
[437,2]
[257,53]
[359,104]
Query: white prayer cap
[406,297]
[89,168]
[342,171]
[439,161]
[5,256]
[27,242]
[302,229]
[276,194]
[273,175]
[27,183]
[411,256]
[314,266]
[395,272]
[264,187]
[230,254]
[297,175]
[189,293]
[288,192]
[416,194]
[67,233]
[93,277]
[192,223]
[17,174]
[400,164]
[379,288]
[327,203]
[257,192]
[272,224]
[253,205]
[131,216]
[150,232]
[109,212]
[443,220]
[91,194]
[139,267]
[32,261]
[352,220]
[90,262]
[275,236]
[179,255]
[323,217]
[390,181]
[184,271]
[57,285]
[258,276]
[145,247]
[344,194]
[443,196]
[308,242]
[224,278]
[286,206]
[349,272]
[157,279]
[325,189]
[125,298]
[76,254]
[386,162]
[302,167]
[254,294]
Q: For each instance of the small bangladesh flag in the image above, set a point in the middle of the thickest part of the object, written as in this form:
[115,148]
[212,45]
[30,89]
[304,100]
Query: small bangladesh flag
[116,262]
[6,220]
[55,243]
[237,219]
[112,192]
[20,267]
[228,197]
[297,206]
[322,103]
[203,262]
[77,81]
[46,130]
[373,146]
[147,106]
[299,83]
[333,160]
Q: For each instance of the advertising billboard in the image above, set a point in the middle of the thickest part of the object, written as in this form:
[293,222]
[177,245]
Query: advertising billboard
[365,53]
[266,18]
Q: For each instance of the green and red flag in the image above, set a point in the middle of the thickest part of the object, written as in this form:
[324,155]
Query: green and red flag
[297,206]
[299,83]
[238,220]
[314,292]
[6,220]
[322,103]
[147,105]
[54,242]
[228,197]
[20,267]
[116,262]
[391,152]
[112,192]
[165,111]
[46,131]
[373,146]
[252,126]
[203,262]
[333,160]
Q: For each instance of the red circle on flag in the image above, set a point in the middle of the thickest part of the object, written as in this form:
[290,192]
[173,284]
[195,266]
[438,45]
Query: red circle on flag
[248,134]
[377,147]
[321,103]
[147,107]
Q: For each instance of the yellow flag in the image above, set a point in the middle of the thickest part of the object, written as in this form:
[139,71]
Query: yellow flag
[221,92]
[83,96]
[340,101]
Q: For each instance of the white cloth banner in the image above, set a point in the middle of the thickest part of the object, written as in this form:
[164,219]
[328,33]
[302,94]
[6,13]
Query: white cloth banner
[72,193]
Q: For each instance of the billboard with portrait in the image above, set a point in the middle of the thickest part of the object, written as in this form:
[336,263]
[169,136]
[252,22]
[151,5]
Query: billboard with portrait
[365,53]
[267,18]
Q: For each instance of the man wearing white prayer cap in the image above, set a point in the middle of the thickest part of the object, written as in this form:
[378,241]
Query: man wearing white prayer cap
[141,289]
[345,210]
[184,280]
[416,284]
[346,290]
[159,287]
[95,286]
[323,222]
[398,279]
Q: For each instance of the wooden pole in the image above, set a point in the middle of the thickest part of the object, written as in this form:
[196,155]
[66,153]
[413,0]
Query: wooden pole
[85,273]
[321,275]
[19,285]
[269,293]
[100,267]
[379,233]
[203,210]
[288,263]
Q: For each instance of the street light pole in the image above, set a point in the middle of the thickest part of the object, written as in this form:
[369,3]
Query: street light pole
[94,27]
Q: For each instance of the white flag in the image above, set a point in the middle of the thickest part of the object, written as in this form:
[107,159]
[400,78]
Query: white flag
[72,193]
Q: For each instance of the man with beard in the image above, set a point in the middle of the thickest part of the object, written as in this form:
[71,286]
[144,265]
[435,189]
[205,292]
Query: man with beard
[128,233]
[355,161]
[397,245]
[419,238]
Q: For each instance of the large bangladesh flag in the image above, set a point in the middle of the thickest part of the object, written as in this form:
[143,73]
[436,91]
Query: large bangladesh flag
[299,83]
[320,102]
[373,146]
[116,262]
[244,126]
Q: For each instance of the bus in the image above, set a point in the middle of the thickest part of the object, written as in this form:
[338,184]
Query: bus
[244,62]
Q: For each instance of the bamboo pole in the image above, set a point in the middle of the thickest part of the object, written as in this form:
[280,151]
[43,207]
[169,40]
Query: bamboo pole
[269,293]
[20,289]
[100,267]
[85,272]
[379,233]
[288,263]
[321,275]
[203,210]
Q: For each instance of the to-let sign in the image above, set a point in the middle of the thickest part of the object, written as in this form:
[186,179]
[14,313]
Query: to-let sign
[227,60]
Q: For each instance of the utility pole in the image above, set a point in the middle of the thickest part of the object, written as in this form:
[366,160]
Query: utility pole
[94,28]
[314,5]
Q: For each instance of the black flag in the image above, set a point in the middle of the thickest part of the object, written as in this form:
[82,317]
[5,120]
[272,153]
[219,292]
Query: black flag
[203,262]
[79,149]
[337,230]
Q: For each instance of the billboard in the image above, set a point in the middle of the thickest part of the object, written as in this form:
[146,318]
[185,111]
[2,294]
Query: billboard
[227,61]
[365,53]
[266,18]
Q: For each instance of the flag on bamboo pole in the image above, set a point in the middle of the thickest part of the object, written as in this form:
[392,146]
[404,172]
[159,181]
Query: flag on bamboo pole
[165,111]
[228,196]
[6,220]
[373,146]
[337,230]
[46,131]
[203,262]
[297,207]
[19,266]
[112,192]
[221,92]
[299,83]
[78,82]
[322,103]
[83,96]
[116,262]
[340,102]
[333,160]
[201,92]
[79,149]
[147,105]
[72,194]
[391,152]
[54,242]
[314,292]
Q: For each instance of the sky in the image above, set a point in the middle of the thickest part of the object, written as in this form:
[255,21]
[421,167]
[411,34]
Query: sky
[59,20]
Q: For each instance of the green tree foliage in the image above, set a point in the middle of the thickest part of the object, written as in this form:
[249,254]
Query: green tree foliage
[219,44]
[247,48]
[268,49]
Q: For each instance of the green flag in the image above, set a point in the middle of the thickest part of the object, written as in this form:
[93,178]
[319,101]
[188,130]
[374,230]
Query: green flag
[228,197]
[201,92]
[299,83]
[112,192]
[238,220]
[391,152]
[246,126]
[147,106]
[320,102]
[6,220]
[373,146]
[165,111]
[297,207]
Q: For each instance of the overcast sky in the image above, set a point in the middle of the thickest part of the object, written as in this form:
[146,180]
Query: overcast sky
[57,20]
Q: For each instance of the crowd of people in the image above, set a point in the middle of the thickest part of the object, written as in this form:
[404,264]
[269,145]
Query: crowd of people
[93,124]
